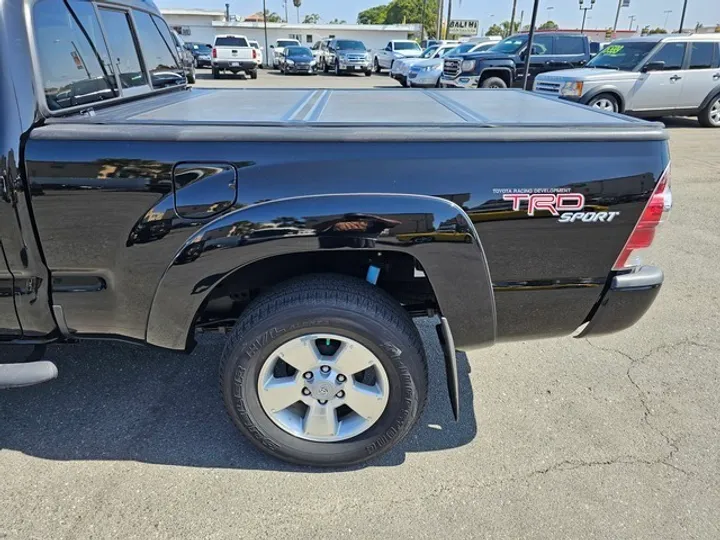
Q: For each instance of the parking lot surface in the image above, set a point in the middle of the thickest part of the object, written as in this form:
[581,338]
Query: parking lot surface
[611,438]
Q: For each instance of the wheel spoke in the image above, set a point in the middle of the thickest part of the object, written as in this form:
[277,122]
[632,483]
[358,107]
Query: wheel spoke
[320,421]
[351,359]
[300,354]
[367,401]
[280,393]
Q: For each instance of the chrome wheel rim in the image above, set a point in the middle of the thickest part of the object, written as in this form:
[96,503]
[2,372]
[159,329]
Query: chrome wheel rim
[715,113]
[604,104]
[323,387]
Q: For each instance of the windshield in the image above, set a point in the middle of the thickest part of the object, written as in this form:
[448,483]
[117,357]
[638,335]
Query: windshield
[427,53]
[444,51]
[510,45]
[461,49]
[406,46]
[298,51]
[624,56]
[201,48]
[287,42]
[350,45]
[231,41]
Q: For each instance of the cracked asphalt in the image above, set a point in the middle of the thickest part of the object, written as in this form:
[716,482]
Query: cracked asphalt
[609,438]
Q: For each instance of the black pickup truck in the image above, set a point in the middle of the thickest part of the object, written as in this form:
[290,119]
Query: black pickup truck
[503,66]
[305,224]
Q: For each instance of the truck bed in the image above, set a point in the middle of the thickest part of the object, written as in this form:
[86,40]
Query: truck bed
[452,113]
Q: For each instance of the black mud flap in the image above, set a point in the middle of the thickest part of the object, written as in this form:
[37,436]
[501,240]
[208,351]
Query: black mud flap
[451,368]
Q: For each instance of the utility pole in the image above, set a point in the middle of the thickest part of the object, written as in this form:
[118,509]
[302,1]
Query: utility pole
[632,20]
[617,16]
[447,27]
[441,11]
[522,17]
[266,52]
[585,9]
[511,30]
[286,11]
[528,51]
[667,16]
[422,23]
[682,17]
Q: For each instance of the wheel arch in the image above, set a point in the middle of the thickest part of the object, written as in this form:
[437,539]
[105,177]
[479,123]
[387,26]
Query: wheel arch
[454,263]
[712,95]
[505,73]
[605,90]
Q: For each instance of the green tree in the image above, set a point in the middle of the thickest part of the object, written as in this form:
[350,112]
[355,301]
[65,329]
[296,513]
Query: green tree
[313,18]
[409,12]
[549,25]
[272,17]
[507,31]
[494,30]
[373,15]
[338,21]
[657,30]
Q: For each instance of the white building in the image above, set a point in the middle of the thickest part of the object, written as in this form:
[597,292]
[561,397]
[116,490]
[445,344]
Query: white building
[198,25]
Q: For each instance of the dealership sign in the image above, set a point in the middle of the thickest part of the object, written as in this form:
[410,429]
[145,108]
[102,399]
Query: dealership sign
[463,27]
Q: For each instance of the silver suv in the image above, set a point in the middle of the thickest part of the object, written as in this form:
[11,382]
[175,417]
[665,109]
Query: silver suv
[659,75]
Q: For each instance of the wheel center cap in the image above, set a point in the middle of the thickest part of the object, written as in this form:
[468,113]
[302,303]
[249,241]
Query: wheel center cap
[322,390]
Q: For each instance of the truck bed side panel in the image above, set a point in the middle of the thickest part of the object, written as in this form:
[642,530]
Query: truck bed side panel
[88,196]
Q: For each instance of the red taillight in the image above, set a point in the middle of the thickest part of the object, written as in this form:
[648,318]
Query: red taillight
[214,53]
[643,234]
[254,54]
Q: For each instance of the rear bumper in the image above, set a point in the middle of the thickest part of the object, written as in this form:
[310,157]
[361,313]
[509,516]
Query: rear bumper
[624,304]
[236,65]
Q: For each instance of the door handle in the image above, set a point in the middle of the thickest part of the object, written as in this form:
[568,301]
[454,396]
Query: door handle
[675,78]
[716,76]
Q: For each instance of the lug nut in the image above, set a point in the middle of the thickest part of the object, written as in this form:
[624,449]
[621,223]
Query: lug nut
[307,375]
[341,378]
[322,401]
[305,392]
[340,394]
[325,369]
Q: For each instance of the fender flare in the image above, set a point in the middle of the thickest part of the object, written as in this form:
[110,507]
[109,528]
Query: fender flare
[713,94]
[497,68]
[606,89]
[457,270]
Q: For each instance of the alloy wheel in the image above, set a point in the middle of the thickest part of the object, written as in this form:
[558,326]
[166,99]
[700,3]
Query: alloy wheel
[604,104]
[715,113]
[323,387]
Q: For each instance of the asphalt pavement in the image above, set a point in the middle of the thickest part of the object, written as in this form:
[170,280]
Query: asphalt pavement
[610,438]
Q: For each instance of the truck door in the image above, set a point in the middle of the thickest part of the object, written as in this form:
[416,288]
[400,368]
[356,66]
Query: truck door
[569,52]
[702,75]
[542,54]
[660,87]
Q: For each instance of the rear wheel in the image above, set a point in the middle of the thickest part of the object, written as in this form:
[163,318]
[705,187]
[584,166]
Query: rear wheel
[338,71]
[368,73]
[710,115]
[605,102]
[324,370]
[254,74]
[191,76]
[216,73]
[493,82]
[376,65]
[325,67]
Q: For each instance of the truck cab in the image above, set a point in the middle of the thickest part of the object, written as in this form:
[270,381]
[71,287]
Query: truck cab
[502,66]
[234,54]
[395,49]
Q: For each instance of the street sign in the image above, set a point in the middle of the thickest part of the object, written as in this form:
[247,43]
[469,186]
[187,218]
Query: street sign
[625,3]
[463,27]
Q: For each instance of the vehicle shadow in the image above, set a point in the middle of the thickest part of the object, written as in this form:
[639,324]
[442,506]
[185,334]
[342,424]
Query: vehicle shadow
[116,401]
[680,122]
[206,75]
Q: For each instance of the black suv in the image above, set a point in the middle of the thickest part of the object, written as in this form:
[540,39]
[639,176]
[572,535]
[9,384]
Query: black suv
[502,66]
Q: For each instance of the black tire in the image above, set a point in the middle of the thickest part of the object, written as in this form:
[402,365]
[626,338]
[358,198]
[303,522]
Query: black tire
[325,67]
[254,74]
[377,65]
[368,73]
[705,116]
[191,76]
[216,73]
[493,82]
[338,71]
[336,304]
[609,97]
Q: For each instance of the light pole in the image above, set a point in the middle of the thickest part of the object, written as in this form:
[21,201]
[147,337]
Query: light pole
[511,30]
[632,20]
[585,8]
[667,13]
[266,55]
[531,35]
[449,16]
[617,13]
[682,17]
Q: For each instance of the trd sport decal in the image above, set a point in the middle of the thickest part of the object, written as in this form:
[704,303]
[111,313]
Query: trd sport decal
[570,207]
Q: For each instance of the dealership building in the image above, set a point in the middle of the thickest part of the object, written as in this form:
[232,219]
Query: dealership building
[201,26]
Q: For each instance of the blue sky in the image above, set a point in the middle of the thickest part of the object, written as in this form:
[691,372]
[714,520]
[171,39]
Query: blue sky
[564,12]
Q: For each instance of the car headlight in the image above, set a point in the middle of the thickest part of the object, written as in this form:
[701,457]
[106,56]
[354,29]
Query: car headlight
[290,62]
[313,62]
[467,65]
[572,88]
[427,68]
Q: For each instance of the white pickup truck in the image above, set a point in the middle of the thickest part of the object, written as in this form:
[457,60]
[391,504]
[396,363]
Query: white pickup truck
[399,48]
[233,53]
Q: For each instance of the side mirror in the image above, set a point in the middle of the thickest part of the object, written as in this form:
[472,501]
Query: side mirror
[272,46]
[657,65]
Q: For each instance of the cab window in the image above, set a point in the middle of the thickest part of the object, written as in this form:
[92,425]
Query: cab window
[569,45]
[158,51]
[542,45]
[126,59]
[74,63]
[672,54]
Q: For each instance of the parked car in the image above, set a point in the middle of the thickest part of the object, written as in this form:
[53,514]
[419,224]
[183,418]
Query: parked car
[650,76]
[258,51]
[186,57]
[503,65]
[319,48]
[394,50]
[234,54]
[279,46]
[401,67]
[426,43]
[427,73]
[483,39]
[501,215]
[346,55]
[202,54]
[298,60]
